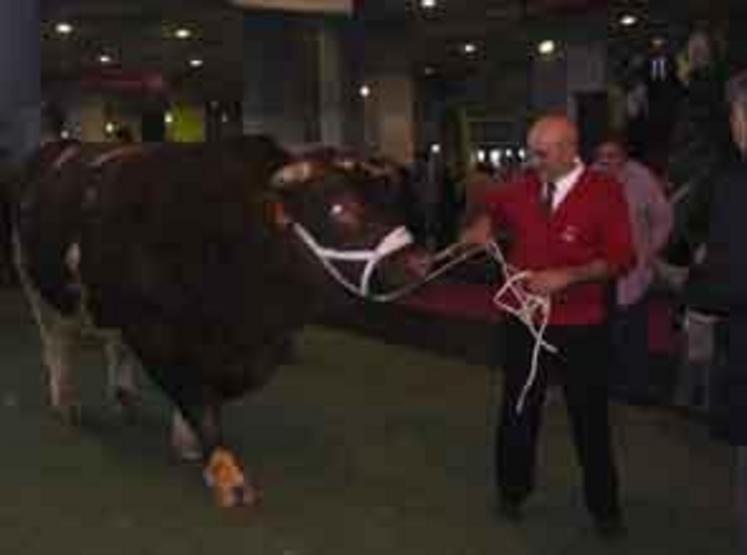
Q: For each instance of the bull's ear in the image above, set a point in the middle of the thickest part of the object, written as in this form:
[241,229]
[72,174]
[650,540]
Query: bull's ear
[292,174]
[275,212]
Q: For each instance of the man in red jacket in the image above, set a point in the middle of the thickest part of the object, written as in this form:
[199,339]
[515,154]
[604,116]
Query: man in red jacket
[569,228]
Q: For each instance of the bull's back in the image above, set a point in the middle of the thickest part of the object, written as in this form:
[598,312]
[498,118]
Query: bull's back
[173,234]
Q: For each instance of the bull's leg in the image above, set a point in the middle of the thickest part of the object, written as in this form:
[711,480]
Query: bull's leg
[184,440]
[59,337]
[189,388]
[222,471]
[60,343]
[121,367]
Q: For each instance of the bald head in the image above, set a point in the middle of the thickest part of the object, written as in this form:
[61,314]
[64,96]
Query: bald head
[553,144]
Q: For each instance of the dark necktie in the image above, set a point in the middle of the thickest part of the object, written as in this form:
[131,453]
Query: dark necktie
[548,196]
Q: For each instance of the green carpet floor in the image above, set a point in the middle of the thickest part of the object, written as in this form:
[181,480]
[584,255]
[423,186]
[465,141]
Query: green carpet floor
[360,448]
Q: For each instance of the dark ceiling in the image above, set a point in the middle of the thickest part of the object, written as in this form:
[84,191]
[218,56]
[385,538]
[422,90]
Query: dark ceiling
[138,35]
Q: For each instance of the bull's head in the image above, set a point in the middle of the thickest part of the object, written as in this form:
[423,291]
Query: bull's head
[349,214]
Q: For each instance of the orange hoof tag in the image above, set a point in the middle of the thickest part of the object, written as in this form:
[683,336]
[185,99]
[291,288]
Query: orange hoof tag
[227,481]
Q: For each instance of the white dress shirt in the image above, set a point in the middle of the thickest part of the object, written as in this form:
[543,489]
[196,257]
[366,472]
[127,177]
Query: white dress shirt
[563,185]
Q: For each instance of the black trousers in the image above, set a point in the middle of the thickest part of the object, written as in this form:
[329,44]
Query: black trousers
[581,369]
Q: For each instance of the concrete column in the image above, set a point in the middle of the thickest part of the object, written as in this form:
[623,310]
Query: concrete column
[394,116]
[549,84]
[390,109]
[281,89]
[586,72]
[331,86]
[20,76]
[89,118]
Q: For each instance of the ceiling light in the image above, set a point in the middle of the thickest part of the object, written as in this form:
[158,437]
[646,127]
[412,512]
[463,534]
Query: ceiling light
[658,42]
[628,20]
[105,59]
[196,62]
[365,91]
[546,47]
[168,118]
[436,148]
[429,70]
[428,4]
[109,127]
[63,28]
[469,48]
[183,33]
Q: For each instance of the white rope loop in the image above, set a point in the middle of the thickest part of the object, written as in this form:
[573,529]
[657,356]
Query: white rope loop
[533,311]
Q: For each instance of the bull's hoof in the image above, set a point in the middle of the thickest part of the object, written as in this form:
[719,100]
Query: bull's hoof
[240,496]
[185,444]
[225,477]
[186,453]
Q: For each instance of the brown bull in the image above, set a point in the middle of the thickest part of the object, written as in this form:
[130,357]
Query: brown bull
[199,261]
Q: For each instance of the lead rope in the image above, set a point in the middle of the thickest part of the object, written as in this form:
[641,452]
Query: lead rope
[531,309]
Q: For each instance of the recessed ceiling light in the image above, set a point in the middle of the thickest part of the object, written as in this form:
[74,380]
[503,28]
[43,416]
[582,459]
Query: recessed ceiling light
[63,28]
[546,47]
[435,148]
[628,20]
[364,91]
[428,4]
[469,48]
[196,62]
[658,42]
[182,33]
[105,59]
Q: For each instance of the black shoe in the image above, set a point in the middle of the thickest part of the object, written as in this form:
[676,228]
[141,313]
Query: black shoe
[610,528]
[509,509]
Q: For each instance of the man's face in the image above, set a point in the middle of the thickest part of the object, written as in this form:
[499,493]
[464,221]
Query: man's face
[610,157]
[552,156]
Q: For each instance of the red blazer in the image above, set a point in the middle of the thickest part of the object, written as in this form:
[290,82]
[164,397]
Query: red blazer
[591,222]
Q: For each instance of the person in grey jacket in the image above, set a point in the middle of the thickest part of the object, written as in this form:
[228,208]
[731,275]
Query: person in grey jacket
[719,285]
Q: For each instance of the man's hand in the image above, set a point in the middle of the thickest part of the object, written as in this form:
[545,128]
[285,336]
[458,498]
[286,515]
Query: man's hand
[549,282]
[479,232]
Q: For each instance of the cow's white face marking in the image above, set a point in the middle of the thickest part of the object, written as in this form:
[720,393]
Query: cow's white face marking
[295,172]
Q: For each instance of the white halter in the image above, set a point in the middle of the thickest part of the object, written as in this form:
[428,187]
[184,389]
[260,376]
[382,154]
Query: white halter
[393,242]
